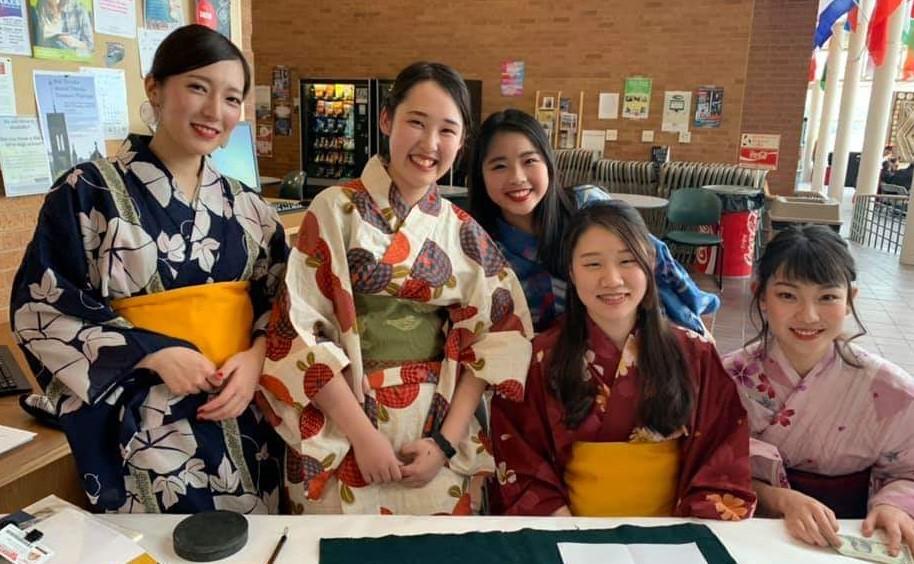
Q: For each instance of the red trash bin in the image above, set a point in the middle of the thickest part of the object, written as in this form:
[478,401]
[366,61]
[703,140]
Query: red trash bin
[738,233]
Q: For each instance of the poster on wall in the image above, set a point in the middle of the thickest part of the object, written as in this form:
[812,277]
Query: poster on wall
[263,106]
[215,14]
[148,41]
[62,32]
[759,150]
[264,139]
[282,101]
[70,121]
[709,106]
[23,159]
[116,17]
[636,100]
[14,28]
[163,14]
[7,89]
[677,111]
[512,78]
[608,107]
[111,90]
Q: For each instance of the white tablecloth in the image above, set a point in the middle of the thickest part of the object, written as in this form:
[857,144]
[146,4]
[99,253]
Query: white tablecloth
[756,541]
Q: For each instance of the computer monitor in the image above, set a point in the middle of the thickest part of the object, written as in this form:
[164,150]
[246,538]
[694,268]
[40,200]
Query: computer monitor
[238,159]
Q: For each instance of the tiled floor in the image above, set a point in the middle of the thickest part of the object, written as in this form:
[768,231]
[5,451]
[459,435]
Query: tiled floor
[886,292]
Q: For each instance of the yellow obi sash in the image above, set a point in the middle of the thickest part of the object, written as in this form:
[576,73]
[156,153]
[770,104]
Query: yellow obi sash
[616,479]
[217,318]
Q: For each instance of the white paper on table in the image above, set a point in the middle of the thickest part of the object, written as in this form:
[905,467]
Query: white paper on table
[585,553]
[594,140]
[148,41]
[115,17]
[7,92]
[76,537]
[23,164]
[14,28]
[10,438]
[609,105]
[111,91]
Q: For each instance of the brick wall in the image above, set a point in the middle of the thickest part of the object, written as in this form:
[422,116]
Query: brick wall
[592,46]
[18,215]
[776,81]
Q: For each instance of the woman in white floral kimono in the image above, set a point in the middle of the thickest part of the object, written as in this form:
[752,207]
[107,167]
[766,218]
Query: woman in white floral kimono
[142,297]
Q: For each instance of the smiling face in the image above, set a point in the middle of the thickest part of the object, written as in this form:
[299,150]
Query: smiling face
[805,318]
[516,177]
[608,280]
[197,110]
[426,132]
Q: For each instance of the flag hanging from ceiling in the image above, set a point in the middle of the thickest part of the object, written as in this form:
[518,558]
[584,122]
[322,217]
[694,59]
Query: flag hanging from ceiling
[878,39]
[831,14]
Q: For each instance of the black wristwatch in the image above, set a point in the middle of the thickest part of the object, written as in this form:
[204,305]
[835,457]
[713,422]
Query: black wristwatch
[446,447]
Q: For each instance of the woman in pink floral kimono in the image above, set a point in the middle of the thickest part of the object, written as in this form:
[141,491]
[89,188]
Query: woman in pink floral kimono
[832,425]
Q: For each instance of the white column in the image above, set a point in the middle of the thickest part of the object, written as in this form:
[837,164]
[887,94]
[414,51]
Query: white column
[856,56]
[812,128]
[880,109]
[907,244]
[830,99]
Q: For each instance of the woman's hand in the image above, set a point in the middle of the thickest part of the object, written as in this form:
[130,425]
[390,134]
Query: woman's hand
[562,511]
[808,519]
[185,371]
[240,375]
[376,458]
[425,461]
[897,524]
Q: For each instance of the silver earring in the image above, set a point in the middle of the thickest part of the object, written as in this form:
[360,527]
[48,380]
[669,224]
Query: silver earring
[149,116]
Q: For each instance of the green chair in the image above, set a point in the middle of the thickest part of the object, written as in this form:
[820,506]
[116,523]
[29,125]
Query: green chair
[292,186]
[693,207]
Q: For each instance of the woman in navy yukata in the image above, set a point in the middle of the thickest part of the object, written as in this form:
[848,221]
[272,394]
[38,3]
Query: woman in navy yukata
[141,300]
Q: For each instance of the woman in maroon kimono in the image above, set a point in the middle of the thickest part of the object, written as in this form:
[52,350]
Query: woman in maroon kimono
[625,414]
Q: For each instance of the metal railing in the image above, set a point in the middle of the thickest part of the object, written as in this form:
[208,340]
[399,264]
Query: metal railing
[879,221]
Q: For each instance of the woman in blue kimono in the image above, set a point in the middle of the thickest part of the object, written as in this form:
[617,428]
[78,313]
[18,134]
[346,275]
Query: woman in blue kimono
[515,195]
[142,298]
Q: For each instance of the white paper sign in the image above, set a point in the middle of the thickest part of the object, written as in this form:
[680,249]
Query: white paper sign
[612,134]
[583,553]
[647,136]
[677,109]
[7,92]
[594,140]
[111,90]
[609,105]
[23,159]
[148,41]
[685,136]
[116,17]
[14,28]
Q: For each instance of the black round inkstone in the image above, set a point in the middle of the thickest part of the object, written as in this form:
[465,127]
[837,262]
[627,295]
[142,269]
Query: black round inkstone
[211,535]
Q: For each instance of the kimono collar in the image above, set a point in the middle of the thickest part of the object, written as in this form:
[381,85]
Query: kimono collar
[777,355]
[600,343]
[516,241]
[386,195]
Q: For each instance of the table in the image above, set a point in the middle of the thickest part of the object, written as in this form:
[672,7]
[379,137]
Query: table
[640,200]
[266,180]
[43,465]
[761,541]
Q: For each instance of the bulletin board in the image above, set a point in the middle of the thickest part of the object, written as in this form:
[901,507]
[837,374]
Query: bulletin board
[23,67]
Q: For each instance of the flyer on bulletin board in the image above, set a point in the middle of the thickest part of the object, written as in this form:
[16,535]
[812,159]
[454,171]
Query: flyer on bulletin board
[116,17]
[163,14]
[637,98]
[64,33]
[23,158]
[14,28]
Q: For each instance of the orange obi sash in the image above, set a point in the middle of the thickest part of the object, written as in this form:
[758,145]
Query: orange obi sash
[217,318]
[623,479]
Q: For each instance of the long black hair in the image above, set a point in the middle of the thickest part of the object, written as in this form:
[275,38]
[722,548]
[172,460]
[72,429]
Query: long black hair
[192,47]
[445,77]
[551,215]
[813,254]
[666,386]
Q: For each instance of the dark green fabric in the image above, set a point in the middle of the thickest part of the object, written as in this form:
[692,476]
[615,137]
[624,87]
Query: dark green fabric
[527,546]
[693,238]
[398,330]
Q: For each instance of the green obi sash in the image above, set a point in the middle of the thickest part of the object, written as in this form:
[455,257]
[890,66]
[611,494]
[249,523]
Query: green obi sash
[395,331]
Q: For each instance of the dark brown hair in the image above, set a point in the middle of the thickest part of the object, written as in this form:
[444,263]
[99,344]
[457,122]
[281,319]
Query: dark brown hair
[192,47]
[666,386]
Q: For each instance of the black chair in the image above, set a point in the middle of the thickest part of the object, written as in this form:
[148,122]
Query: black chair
[292,186]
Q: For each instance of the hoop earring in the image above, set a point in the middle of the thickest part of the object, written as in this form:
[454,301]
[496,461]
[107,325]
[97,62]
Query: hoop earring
[149,116]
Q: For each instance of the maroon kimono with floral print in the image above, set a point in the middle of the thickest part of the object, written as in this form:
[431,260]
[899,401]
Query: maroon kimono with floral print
[532,445]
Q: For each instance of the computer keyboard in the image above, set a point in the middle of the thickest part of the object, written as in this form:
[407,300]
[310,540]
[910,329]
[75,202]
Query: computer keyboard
[12,380]
[289,206]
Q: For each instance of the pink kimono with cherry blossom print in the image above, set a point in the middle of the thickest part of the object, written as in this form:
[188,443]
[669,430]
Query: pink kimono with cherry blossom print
[371,279]
[837,420]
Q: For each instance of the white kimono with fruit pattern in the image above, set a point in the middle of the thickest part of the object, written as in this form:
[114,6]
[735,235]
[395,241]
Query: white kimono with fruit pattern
[363,238]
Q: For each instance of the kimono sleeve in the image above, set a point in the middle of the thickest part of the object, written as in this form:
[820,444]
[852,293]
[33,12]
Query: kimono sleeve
[715,481]
[269,272]
[491,330]
[529,481]
[313,313]
[59,316]
[893,472]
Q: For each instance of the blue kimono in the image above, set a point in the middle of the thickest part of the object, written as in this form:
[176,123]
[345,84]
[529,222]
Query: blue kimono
[119,228]
[683,302]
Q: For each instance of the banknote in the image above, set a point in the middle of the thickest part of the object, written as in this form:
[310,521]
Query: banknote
[873,550]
